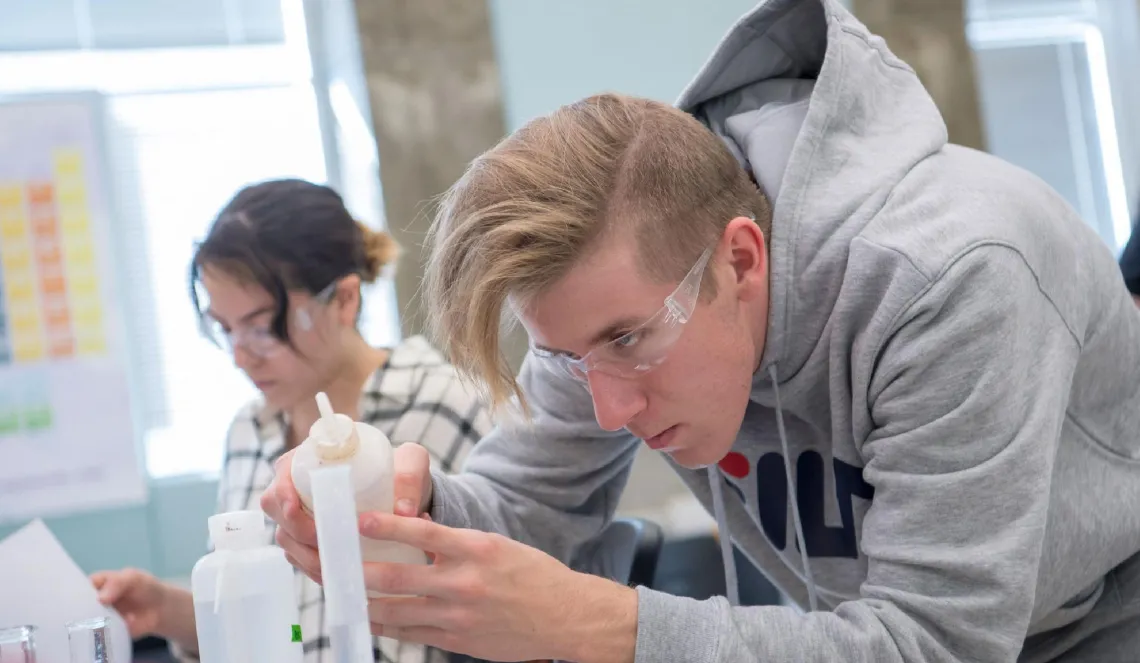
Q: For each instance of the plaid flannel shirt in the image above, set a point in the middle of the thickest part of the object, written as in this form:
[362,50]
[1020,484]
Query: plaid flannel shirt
[416,396]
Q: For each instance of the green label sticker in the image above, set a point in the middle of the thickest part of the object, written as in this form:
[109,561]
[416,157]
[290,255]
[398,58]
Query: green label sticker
[296,632]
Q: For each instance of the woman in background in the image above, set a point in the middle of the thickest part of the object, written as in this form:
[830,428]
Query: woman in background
[282,269]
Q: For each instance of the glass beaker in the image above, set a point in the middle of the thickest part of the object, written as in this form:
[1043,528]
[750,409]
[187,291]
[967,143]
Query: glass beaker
[18,644]
[90,641]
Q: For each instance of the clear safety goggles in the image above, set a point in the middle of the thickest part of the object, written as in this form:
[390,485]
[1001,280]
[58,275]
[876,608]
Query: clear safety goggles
[641,349]
[261,341]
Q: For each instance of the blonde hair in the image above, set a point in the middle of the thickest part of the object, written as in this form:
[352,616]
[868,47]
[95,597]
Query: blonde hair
[525,212]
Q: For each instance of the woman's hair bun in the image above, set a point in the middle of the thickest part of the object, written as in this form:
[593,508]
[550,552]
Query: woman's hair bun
[380,249]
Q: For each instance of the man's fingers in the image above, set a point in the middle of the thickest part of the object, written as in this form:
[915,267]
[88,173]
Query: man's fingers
[299,555]
[412,467]
[284,464]
[274,497]
[297,522]
[283,505]
[432,557]
[405,611]
[403,579]
[416,532]
[315,577]
[422,635]
[422,620]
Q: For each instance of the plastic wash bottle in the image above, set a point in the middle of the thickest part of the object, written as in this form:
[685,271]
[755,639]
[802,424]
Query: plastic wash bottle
[335,439]
[244,603]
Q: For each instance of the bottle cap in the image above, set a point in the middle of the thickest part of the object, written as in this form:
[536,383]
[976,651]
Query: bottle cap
[333,434]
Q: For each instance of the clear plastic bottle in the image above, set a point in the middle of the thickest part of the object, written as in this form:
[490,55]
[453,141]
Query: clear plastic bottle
[244,602]
[335,439]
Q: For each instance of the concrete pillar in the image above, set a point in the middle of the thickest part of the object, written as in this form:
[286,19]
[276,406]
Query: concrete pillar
[436,103]
[930,36]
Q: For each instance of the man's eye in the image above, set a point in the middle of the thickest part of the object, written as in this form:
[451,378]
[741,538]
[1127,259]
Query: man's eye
[627,341]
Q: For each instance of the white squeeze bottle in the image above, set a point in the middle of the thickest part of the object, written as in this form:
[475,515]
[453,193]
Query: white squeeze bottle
[244,603]
[335,439]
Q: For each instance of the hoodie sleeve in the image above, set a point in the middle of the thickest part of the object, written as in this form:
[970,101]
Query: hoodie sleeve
[968,397]
[552,482]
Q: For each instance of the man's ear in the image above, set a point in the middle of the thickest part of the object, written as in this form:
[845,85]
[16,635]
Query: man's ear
[748,254]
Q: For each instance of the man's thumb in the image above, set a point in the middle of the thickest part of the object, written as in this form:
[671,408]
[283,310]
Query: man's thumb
[412,480]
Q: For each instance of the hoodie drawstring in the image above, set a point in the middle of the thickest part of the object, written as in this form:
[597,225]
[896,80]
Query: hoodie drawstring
[813,600]
[730,582]
[715,484]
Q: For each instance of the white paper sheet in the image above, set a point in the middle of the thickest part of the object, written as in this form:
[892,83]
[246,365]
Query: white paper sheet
[41,585]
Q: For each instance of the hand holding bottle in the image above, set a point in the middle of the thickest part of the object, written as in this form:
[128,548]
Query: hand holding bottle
[404,489]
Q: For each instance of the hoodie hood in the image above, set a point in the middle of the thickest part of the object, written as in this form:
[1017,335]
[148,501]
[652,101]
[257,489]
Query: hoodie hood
[827,127]
[826,130]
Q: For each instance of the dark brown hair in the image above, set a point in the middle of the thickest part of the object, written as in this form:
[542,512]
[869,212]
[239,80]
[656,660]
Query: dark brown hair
[289,235]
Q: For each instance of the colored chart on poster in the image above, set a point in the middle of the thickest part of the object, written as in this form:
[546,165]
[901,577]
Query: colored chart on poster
[50,283]
[67,440]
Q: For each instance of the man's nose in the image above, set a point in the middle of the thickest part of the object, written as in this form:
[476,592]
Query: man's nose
[616,400]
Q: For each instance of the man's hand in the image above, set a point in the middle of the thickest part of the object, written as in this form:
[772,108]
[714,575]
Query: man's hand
[493,598]
[296,531]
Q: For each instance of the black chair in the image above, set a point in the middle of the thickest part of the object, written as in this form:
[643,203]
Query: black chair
[693,567]
[626,552]
[152,650]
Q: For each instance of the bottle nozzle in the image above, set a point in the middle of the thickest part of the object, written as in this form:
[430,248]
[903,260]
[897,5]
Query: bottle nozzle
[324,406]
[334,434]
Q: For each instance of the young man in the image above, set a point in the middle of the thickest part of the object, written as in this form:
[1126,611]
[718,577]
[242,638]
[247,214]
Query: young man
[906,380]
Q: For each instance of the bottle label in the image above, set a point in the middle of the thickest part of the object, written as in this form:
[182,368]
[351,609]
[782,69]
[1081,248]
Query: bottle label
[296,632]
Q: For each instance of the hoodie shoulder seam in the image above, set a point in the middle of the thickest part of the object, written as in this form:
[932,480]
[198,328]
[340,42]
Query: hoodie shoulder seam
[863,37]
[929,278]
[959,257]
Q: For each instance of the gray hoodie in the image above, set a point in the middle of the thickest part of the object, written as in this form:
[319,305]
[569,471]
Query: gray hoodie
[941,456]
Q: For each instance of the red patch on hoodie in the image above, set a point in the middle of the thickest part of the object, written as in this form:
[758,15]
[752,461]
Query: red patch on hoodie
[735,465]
